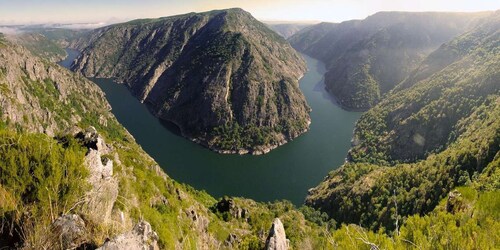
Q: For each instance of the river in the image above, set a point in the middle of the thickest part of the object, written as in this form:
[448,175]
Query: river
[285,173]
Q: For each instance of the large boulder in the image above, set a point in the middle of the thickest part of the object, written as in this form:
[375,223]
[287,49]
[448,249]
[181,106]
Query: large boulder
[141,237]
[70,228]
[276,240]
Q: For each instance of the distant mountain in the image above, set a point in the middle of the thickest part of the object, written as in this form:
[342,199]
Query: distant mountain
[367,58]
[224,78]
[287,29]
[41,46]
[437,130]
[48,43]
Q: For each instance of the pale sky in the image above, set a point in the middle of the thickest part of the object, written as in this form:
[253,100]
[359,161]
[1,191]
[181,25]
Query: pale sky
[108,11]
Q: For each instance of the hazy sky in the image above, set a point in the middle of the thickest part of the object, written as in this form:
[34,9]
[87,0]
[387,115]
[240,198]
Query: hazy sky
[67,11]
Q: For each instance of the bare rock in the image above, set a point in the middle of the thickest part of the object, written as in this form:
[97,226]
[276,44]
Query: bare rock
[228,205]
[92,140]
[104,192]
[141,237]
[276,240]
[70,229]
[232,241]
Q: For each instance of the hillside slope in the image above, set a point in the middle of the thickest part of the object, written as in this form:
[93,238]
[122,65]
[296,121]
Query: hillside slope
[67,163]
[366,58]
[88,189]
[225,79]
[426,138]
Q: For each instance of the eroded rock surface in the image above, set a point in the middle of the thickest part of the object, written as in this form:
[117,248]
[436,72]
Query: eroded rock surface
[276,240]
[141,237]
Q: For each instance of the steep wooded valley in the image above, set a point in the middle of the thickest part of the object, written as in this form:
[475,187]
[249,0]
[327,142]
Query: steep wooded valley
[423,171]
[224,78]
[367,58]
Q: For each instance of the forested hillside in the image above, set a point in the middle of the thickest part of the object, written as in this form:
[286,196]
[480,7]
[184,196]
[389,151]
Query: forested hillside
[71,175]
[423,172]
[366,58]
[435,132]
[224,78]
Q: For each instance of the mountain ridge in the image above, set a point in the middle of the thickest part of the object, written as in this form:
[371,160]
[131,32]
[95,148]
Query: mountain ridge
[425,138]
[367,58]
[207,73]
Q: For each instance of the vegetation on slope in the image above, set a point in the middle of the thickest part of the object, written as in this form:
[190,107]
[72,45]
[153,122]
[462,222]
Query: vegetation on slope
[423,140]
[41,46]
[366,58]
[184,217]
[43,176]
[287,29]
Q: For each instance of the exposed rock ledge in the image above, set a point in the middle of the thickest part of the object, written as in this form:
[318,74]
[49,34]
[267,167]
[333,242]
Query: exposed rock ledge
[101,198]
[141,237]
[277,238]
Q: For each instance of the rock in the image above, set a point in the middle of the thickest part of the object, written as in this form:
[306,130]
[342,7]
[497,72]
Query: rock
[101,198]
[92,140]
[180,195]
[228,205]
[140,237]
[100,201]
[70,229]
[199,222]
[231,241]
[99,168]
[454,203]
[276,240]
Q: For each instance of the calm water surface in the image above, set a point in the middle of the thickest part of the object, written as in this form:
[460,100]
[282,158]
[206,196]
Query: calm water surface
[285,173]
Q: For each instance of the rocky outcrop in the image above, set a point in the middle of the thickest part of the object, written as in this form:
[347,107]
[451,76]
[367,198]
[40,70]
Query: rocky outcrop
[141,237]
[225,79]
[455,202]
[276,240]
[71,230]
[104,192]
[227,205]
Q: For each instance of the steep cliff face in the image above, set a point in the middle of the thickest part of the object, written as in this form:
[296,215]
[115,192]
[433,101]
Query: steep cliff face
[225,79]
[367,58]
[43,97]
[437,130]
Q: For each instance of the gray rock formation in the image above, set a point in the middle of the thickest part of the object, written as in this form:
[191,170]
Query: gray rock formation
[92,140]
[228,205]
[276,240]
[71,230]
[104,191]
[43,97]
[141,237]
